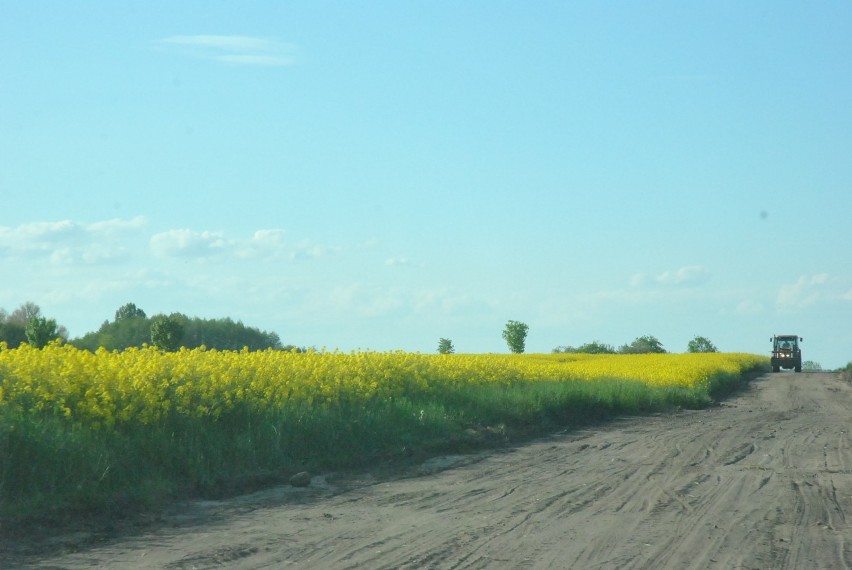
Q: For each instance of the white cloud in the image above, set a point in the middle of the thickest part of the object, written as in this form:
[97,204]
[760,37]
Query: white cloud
[269,236]
[686,275]
[270,244]
[231,43]
[307,249]
[444,302]
[114,226]
[748,307]
[371,300]
[638,279]
[237,50]
[93,287]
[259,60]
[364,301]
[805,292]
[39,236]
[262,245]
[65,241]
[811,290]
[187,243]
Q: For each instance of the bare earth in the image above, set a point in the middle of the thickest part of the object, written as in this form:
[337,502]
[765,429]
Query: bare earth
[762,481]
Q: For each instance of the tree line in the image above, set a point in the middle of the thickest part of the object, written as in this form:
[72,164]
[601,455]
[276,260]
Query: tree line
[131,327]
[515,335]
[647,344]
[27,324]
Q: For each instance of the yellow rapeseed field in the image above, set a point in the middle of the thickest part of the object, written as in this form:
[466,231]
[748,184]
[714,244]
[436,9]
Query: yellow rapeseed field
[82,430]
[103,390]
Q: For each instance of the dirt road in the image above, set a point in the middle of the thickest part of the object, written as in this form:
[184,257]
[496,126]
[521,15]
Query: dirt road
[763,481]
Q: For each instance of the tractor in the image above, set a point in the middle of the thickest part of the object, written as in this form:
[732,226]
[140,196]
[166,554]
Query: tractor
[786,352]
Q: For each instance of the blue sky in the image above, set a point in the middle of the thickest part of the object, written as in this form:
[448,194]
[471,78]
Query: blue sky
[380,175]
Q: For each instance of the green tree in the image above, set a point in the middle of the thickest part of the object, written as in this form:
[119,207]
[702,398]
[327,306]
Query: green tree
[14,327]
[701,344]
[167,332]
[596,347]
[226,334]
[117,335]
[129,311]
[11,332]
[811,366]
[515,335]
[132,328]
[445,346]
[643,345]
[26,312]
[41,331]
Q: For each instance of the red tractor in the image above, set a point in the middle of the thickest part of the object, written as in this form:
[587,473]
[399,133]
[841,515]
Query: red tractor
[786,352]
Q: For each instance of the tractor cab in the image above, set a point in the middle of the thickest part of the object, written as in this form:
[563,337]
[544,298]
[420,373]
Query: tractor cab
[786,352]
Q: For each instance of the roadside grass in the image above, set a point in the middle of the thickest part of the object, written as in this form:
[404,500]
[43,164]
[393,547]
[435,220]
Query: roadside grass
[55,468]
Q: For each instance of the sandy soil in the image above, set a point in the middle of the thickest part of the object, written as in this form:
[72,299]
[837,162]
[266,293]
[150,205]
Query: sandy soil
[762,481]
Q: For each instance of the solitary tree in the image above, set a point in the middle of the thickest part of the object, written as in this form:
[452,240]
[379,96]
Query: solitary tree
[445,346]
[515,335]
[41,331]
[701,344]
[166,332]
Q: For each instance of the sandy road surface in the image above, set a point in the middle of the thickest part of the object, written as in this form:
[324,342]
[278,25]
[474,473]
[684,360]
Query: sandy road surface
[763,481]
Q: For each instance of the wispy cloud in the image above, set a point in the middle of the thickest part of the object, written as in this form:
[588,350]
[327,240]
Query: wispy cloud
[686,276]
[226,43]
[366,301]
[236,50]
[66,241]
[88,266]
[805,292]
[262,245]
[187,243]
[748,307]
